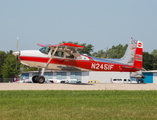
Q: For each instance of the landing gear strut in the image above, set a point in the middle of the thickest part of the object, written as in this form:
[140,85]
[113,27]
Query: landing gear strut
[41,79]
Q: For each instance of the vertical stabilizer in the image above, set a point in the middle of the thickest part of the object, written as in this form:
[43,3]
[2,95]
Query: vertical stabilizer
[138,55]
[133,54]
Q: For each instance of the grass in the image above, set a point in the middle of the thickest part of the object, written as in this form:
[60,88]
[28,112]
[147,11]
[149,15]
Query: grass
[86,105]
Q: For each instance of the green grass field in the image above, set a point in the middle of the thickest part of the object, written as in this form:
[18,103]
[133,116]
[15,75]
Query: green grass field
[67,105]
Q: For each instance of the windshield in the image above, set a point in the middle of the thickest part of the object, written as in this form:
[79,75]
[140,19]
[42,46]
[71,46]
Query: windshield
[44,50]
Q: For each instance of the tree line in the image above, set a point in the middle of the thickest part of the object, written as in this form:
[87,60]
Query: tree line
[149,59]
[11,66]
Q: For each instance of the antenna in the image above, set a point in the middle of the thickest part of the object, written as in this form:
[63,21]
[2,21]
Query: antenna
[107,55]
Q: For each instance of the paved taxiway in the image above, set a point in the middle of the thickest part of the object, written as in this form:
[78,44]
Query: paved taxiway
[36,86]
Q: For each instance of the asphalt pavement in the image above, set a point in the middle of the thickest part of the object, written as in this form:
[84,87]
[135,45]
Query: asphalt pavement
[76,86]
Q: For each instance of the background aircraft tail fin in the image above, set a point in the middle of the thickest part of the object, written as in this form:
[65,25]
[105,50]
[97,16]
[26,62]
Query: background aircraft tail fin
[133,54]
[14,79]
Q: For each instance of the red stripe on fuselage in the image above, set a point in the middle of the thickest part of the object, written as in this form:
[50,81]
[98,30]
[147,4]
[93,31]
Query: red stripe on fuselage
[86,64]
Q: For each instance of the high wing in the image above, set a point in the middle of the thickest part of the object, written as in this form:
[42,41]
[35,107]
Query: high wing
[63,45]
[66,47]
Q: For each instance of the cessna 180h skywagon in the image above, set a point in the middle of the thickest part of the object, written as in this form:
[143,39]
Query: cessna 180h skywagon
[66,57]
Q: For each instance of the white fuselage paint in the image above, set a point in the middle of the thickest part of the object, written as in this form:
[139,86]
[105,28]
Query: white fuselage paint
[37,53]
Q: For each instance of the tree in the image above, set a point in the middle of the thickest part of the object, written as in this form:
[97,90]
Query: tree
[149,61]
[9,67]
[117,51]
[10,52]
[2,58]
[87,48]
[100,54]
[114,52]
[154,53]
[27,68]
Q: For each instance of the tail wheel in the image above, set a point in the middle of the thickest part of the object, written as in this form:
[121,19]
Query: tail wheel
[35,79]
[41,79]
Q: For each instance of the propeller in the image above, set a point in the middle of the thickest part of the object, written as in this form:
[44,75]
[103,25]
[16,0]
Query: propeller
[17,44]
[16,53]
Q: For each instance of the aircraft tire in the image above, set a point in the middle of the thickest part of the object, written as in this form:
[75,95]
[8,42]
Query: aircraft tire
[41,79]
[35,79]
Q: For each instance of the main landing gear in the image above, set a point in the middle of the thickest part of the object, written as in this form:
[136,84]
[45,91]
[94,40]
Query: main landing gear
[38,79]
[35,79]
[41,79]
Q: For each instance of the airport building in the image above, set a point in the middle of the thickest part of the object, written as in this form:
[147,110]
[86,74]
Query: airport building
[150,76]
[78,76]
[85,77]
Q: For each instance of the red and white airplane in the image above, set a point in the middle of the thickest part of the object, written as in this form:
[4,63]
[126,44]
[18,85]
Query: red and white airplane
[66,57]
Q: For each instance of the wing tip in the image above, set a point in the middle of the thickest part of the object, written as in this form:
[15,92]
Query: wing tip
[41,45]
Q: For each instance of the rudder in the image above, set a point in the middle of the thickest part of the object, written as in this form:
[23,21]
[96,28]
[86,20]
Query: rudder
[138,55]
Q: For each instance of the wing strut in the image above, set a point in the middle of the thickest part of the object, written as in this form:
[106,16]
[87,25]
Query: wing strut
[46,65]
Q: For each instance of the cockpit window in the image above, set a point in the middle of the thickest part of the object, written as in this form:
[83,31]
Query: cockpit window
[44,50]
[58,53]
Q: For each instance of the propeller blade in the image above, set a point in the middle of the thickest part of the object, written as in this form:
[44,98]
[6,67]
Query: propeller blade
[17,53]
[17,44]
[16,61]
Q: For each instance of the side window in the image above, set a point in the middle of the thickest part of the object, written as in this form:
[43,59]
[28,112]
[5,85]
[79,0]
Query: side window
[124,79]
[70,56]
[58,53]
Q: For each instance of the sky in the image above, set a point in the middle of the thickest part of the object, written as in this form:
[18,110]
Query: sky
[102,23]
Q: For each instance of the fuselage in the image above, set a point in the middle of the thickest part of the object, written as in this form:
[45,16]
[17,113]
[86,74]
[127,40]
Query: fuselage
[35,58]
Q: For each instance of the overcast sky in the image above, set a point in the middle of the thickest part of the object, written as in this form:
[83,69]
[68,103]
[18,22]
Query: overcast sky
[102,23]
